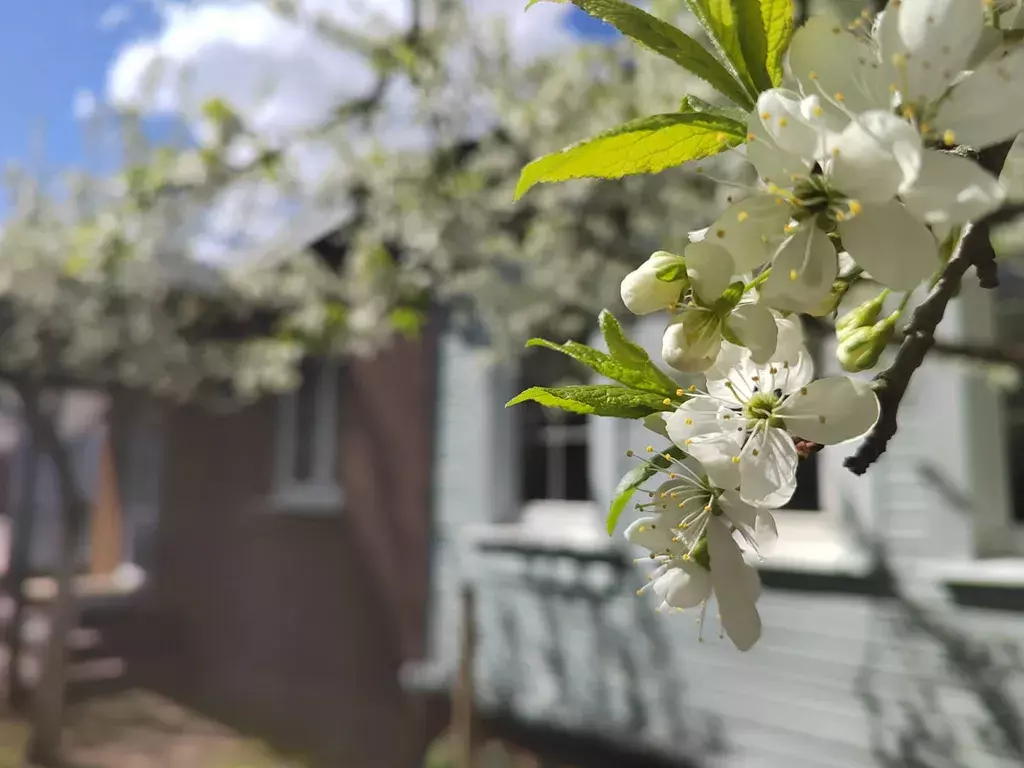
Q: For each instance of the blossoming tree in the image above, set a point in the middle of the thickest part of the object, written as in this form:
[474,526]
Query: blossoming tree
[99,291]
[876,148]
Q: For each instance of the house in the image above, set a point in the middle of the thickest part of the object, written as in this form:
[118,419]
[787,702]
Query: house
[892,607]
[285,552]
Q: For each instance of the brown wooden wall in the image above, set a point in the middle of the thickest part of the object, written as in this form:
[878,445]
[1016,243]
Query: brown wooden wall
[295,626]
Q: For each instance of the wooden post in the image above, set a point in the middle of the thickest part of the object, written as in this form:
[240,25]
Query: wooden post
[105,530]
[464,694]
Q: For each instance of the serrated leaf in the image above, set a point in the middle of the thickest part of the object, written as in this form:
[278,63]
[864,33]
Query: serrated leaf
[620,347]
[751,21]
[596,399]
[672,43]
[777,20]
[721,19]
[643,377]
[631,481]
[646,145]
[632,355]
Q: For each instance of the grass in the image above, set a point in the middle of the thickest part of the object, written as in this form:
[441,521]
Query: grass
[139,729]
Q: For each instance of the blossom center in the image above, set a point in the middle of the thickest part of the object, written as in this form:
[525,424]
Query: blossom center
[761,407]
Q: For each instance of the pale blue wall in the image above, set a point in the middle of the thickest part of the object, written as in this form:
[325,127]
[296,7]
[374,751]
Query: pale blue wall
[875,668]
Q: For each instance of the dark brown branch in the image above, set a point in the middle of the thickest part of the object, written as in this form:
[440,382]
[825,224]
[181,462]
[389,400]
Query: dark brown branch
[890,385]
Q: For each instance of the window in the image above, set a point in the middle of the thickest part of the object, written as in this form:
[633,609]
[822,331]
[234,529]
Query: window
[1010,333]
[306,457]
[553,444]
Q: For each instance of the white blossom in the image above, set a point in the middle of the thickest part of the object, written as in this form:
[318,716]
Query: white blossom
[743,428]
[688,529]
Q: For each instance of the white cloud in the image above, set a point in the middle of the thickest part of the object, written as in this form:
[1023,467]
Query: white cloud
[84,106]
[114,17]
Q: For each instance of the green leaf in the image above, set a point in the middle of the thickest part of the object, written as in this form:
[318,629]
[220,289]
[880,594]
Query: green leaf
[620,347]
[672,43]
[646,145]
[636,377]
[750,29]
[692,103]
[721,19]
[596,399]
[777,22]
[631,481]
[632,355]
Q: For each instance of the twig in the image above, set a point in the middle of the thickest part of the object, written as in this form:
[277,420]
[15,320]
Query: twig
[891,384]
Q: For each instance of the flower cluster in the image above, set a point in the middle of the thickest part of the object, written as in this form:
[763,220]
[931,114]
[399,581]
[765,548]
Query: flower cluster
[856,181]
[739,437]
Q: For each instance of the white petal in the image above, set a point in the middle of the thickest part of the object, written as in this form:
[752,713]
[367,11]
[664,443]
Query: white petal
[892,244]
[840,63]
[874,157]
[768,463]
[987,106]
[886,34]
[771,162]
[736,384]
[690,344]
[802,272]
[754,325]
[799,372]
[938,37]
[697,416]
[794,130]
[780,497]
[751,230]
[717,453]
[757,525]
[651,534]
[952,190]
[765,530]
[833,410]
[737,600]
[684,587]
[791,337]
[710,269]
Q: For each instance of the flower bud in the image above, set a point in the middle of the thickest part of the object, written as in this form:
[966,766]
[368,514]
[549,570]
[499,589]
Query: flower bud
[861,316]
[860,348]
[654,285]
[692,341]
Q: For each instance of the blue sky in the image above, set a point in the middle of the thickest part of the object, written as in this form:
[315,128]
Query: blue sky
[49,50]
[52,49]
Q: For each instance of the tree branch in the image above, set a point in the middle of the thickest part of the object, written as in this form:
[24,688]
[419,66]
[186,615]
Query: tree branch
[974,249]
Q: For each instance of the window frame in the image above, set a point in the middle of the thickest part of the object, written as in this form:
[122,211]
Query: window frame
[322,493]
[997,532]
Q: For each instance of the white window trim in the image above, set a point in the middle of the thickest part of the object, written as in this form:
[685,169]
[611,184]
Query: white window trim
[817,541]
[322,493]
[996,532]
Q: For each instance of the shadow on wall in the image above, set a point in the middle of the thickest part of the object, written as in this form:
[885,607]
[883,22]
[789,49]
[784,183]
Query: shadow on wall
[566,673]
[938,684]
